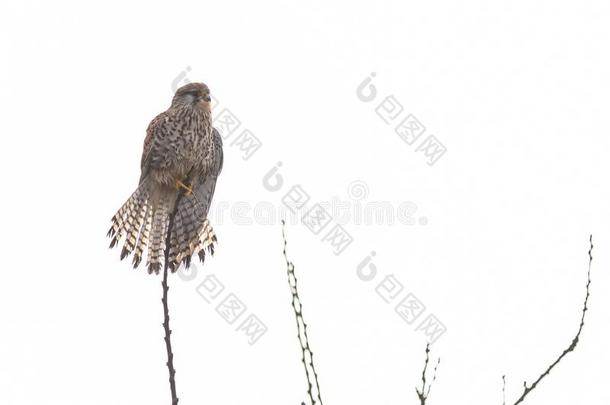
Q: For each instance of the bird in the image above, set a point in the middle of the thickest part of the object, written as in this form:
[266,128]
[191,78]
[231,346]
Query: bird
[181,161]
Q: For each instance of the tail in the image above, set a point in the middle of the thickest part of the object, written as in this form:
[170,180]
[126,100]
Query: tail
[144,221]
[132,220]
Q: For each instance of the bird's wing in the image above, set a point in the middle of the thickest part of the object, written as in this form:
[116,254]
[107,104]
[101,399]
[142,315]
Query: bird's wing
[157,152]
[193,232]
[204,191]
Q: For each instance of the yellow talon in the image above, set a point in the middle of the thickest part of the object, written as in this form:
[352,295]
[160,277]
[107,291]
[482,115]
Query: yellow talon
[180,185]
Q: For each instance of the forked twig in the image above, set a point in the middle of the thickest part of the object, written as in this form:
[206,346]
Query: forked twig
[424,393]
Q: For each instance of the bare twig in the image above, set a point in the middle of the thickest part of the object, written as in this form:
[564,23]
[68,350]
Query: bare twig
[527,389]
[313,389]
[168,331]
[425,389]
[504,390]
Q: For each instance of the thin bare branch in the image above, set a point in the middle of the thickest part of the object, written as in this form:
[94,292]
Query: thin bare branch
[168,331]
[529,388]
[313,388]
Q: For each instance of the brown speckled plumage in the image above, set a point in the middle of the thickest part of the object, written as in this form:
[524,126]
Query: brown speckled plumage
[180,146]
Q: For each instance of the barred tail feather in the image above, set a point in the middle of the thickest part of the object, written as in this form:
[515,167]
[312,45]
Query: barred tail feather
[192,233]
[135,221]
[143,237]
[207,240]
[156,248]
[185,231]
[117,229]
[129,219]
[179,238]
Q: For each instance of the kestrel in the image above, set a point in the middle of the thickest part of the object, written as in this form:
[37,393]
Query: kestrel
[183,157]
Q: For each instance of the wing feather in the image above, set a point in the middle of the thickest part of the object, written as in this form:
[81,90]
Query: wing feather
[157,152]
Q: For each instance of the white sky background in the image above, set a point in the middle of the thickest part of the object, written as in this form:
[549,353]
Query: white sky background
[517,92]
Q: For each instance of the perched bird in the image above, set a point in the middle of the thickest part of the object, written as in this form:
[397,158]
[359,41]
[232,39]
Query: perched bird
[181,161]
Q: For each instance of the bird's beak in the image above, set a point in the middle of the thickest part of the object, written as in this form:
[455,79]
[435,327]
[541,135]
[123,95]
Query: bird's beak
[207,98]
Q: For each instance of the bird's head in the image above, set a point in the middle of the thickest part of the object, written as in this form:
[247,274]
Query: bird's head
[193,94]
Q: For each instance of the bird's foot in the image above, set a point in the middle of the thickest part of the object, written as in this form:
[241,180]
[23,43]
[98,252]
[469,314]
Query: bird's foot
[180,185]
